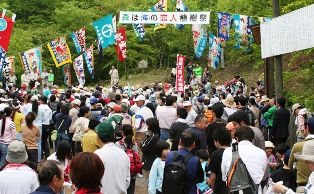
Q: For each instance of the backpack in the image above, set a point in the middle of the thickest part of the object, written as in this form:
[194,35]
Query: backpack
[117,128]
[251,115]
[238,177]
[176,176]
[135,160]
[200,111]
[209,115]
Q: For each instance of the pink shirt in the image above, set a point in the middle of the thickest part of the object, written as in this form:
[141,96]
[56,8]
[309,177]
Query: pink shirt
[9,131]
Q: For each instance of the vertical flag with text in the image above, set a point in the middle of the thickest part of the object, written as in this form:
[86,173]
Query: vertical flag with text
[214,51]
[79,40]
[139,31]
[105,31]
[160,6]
[89,58]
[199,39]
[224,24]
[6,26]
[180,6]
[60,51]
[32,59]
[180,73]
[121,44]
[66,71]
[79,69]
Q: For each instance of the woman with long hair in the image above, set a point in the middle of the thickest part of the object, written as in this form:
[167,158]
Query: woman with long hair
[40,117]
[18,119]
[62,155]
[127,142]
[7,134]
[86,172]
[31,134]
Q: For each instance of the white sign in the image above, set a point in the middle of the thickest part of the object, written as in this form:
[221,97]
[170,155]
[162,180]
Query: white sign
[143,64]
[288,33]
[132,17]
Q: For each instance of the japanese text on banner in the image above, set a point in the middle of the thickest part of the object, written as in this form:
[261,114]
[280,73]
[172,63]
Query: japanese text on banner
[180,73]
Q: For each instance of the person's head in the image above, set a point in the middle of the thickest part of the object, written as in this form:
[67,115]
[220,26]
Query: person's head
[29,119]
[64,151]
[67,95]
[127,133]
[59,105]
[43,100]
[76,103]
[181,113]
[296,108]
[86,170]
[281,102]
[244,133]
[25,72]
[7,112]
[105,132]
[93,123]
[309,126]
[112,67]
[84,112]
[187,105]
[286,157]
[169,101]
[153,125]
[50,174]
[201,122]
[16,152]
[45,70]
[118,97]
[231,129]
[239,118]
[52,98]
[307,154]
[187,139]
[50,71]
[281,149]
[202,154]
[221,137]
[140,100]
[65,109]
[218,110]
[242,101]
[272,102]
[162,148]
[252,101]
[269,147]
[117,109]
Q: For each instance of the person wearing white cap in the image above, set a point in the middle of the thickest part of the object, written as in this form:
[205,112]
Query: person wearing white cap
[187,105]
[307,156]
[301,115]
[17,177]
[141,116]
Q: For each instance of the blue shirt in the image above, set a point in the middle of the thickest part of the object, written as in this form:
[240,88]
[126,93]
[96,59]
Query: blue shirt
[43,190]
[200,139]
[193,165]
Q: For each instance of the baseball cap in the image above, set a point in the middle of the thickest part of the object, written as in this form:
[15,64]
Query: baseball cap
[104,128]
[124,107]
[117,108]
[34,97]
[77,102]
[93,100]
[200,98]
[186,103]
[16,152]
[139,97]
[111,104]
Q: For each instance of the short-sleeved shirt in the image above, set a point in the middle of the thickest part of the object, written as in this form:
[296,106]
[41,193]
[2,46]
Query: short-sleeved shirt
[90,141]
[18,118]
[215,167]
[30,136]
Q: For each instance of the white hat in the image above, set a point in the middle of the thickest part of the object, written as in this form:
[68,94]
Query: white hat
[61,91]
[269,144]
[33,98]
[111,104]
[264,98]
[229,102]
[77,102]
[139,97]
[187,103]
[295,106]
[307,152]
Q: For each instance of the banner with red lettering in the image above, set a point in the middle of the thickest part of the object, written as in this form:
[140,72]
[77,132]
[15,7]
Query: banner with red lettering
[6,26]
[180,73]
[121,44]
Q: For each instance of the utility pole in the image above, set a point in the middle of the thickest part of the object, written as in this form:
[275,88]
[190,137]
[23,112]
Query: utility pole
[278,59]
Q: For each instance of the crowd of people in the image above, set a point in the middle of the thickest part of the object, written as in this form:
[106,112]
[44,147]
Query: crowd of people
[105,138]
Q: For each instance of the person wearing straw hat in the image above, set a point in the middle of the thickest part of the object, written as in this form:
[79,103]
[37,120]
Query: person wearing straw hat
[303,171]
[229,109]
[307,156]
[17,177]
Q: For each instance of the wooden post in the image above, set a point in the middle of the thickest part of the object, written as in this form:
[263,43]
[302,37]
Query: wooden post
[278,59]
[269,77]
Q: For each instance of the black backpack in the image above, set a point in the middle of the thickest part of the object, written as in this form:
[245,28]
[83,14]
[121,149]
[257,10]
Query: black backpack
[176,176]
[117,129]
[251,116]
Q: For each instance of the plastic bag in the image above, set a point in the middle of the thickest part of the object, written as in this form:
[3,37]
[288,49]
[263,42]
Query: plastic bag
[270,187]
